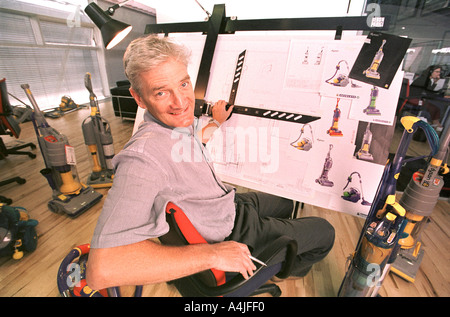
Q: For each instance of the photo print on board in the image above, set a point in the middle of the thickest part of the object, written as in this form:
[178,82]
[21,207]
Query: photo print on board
[379,59]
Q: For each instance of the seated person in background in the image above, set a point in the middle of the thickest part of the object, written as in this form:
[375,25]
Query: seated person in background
[425,86]
[427,80]
[149,173]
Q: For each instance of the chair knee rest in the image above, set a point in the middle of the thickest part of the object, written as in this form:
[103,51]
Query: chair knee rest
[279,257]
[283,249]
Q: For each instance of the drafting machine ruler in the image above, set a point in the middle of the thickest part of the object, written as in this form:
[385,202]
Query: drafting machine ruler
[205,108]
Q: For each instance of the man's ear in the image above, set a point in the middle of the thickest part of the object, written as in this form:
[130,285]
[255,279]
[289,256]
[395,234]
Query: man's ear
[137,97]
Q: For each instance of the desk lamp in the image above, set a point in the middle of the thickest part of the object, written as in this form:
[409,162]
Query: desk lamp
[113,31]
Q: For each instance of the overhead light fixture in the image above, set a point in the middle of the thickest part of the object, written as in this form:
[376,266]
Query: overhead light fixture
[112,31]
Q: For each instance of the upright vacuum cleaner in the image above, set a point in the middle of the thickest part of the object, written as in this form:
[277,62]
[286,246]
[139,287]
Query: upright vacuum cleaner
[334,129]
[371,109]
[363,153]
[99,140]
[419,199]
[323,179]
[378,245]
[372,71]
[69,196]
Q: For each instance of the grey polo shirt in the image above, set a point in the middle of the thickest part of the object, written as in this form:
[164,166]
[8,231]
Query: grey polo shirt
[158,165]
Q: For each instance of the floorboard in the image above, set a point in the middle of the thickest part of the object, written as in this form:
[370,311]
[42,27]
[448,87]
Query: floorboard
[35,274]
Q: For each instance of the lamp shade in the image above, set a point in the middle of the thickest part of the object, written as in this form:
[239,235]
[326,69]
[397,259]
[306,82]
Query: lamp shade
[112,31]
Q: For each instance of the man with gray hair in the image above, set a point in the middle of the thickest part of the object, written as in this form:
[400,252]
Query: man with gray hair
[148,175]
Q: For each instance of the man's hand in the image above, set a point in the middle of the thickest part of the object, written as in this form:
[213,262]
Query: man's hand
[156,263]
[231,256]
[220,114]
[219,111]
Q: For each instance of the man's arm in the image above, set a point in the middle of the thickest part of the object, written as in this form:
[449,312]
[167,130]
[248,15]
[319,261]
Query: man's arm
[148,262]
[220,114]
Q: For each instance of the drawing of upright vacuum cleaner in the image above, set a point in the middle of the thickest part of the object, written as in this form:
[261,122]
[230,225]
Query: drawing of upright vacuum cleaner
[319,57]
[334,129]
[353,194]
[305,59]
[323,179]
[385,224]
[372,71]
[371,108]
[305,143]
[69,196]
[99,141]
[363,153]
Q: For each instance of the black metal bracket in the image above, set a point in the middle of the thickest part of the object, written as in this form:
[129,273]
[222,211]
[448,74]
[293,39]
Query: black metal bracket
[218,23]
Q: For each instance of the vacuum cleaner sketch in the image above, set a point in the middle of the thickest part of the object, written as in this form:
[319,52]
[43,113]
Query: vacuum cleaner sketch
[318,57]
[363,153]
[341,79]
[372,71]
[334,129]
[379,59]
[305,143]
[353,194]
[371,109]
[69,196]
[305,59]
[323,179]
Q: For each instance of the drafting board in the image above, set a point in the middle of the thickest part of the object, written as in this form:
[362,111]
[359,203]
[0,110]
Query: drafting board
[289,73]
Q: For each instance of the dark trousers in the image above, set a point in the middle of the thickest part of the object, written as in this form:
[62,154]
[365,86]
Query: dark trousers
[261,218]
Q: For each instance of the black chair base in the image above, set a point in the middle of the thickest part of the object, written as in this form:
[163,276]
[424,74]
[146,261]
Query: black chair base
[4,151]
[272,289]
[18,180]
[5,200]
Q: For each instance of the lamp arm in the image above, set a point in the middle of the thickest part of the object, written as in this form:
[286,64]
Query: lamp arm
[113,9]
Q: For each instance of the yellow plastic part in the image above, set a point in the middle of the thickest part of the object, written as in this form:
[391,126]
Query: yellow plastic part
[408,122]
[96,164]
[69,186]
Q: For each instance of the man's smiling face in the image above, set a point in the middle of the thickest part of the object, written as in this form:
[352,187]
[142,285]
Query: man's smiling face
[167,93]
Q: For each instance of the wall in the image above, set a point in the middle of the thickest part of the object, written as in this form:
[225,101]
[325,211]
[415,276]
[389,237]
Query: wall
[113,57]
[189,11]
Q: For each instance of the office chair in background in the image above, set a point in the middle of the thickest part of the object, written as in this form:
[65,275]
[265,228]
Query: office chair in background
[10,126]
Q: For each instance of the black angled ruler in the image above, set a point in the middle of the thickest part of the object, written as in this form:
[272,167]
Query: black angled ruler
[266,113]
[237,78]
[256,112]
[274,114]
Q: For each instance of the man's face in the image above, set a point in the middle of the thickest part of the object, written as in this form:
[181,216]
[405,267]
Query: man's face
[436,74]
[167,94]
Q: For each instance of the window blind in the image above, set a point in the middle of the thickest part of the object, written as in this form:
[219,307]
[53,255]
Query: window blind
[49,54]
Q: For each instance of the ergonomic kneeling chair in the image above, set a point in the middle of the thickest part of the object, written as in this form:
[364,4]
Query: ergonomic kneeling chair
[278,255]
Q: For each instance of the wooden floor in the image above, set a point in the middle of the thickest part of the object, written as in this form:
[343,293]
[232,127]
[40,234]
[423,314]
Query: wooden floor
[35,274]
